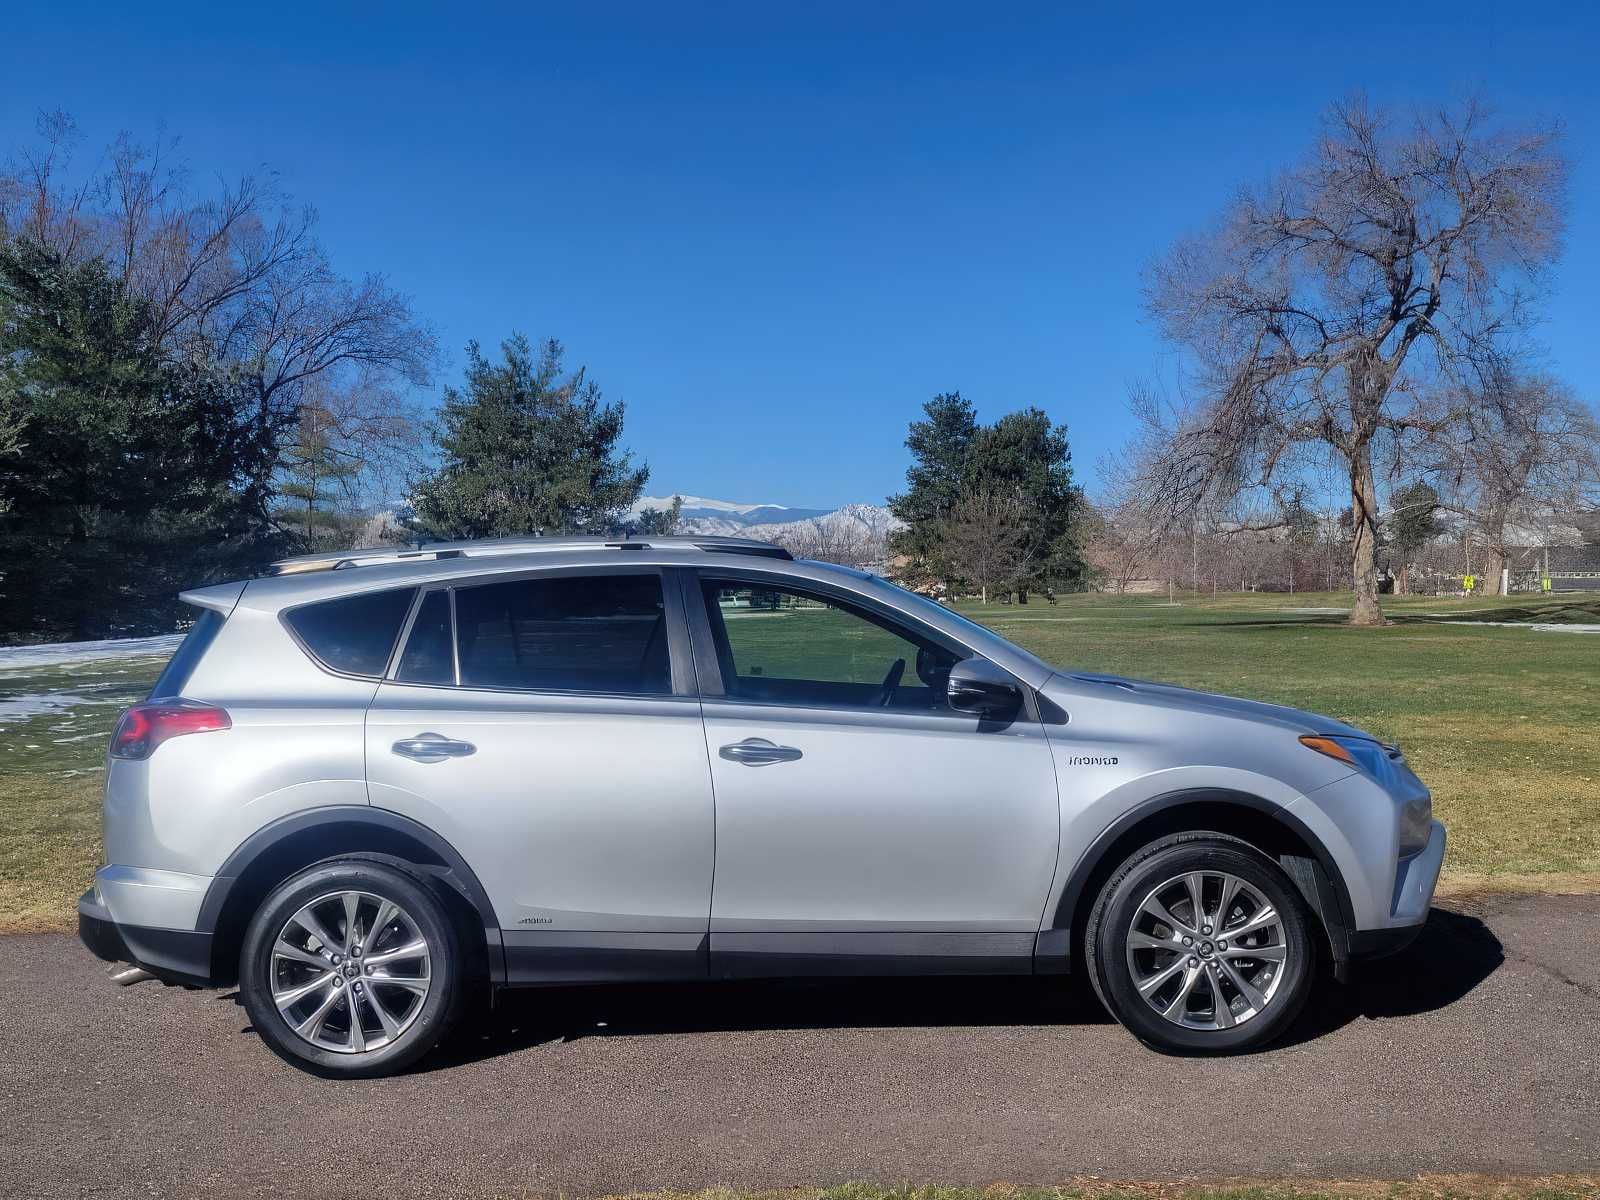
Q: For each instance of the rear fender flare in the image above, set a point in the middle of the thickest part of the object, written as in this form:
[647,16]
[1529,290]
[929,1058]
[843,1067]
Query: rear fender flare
[451,870]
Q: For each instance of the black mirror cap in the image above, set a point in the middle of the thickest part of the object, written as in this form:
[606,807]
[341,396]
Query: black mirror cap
[979,687]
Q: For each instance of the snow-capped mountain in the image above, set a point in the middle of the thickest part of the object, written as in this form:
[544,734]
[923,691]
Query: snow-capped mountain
[853,520]
[707,516]
[772,522]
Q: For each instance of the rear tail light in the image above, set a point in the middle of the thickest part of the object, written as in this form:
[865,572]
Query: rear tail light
[145,726]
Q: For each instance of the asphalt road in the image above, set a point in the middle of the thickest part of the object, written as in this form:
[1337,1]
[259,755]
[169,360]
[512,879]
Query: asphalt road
[1475,1051]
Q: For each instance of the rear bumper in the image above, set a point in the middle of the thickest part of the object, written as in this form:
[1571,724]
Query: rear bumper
[175,955]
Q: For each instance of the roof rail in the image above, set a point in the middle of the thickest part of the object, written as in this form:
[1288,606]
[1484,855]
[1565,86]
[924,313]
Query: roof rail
[495,547]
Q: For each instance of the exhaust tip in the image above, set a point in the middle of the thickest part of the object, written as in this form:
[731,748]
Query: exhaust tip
[127,974]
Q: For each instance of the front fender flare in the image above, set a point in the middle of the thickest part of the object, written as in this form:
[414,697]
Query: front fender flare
[1319,878]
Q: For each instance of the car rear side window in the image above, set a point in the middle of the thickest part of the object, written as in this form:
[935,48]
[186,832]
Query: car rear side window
[356,634]
[428,657]
[597,633]
[175,676]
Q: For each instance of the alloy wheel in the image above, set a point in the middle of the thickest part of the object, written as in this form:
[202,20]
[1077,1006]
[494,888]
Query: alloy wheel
[1207,950]
[350,972]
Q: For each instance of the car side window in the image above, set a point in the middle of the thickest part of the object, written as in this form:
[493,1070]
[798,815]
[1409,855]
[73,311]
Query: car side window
[354,634]
[571,633]
[782,646]
[428,656]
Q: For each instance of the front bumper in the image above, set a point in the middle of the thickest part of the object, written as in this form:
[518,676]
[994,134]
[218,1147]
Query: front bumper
[1415,878]
[175,955]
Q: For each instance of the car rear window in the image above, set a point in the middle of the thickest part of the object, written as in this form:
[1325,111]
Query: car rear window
[599,633]
[356,634]
[175,675]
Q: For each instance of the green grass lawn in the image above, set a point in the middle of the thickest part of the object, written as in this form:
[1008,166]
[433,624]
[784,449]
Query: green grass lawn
[50,777]
[1500,722]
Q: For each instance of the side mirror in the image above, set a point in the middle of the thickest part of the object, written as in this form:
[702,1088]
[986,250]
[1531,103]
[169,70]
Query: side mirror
[979,687]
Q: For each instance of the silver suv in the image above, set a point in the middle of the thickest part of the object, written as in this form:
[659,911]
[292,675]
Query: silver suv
[368,784]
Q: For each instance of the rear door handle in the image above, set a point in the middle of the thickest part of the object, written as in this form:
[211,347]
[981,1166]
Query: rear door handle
[432,748]
[758,752]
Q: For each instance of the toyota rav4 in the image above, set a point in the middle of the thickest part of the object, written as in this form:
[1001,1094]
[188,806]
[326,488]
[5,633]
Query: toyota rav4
[368,784]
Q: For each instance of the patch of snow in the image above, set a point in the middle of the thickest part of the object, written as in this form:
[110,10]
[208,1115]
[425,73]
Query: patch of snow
[37,704]
[53,654]
[1538,626]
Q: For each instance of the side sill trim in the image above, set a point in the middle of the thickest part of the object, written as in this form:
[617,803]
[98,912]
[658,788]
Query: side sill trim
[535,958]
[801,954]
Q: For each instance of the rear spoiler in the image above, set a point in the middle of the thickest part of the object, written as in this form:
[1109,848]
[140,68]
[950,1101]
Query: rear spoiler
[220,597]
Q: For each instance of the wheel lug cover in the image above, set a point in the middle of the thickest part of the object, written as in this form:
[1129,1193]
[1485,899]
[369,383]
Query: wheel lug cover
[1206,929]
[1188,941]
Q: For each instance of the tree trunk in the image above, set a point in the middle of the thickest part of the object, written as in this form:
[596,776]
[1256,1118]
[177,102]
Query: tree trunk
[1494,562]
[1364,540]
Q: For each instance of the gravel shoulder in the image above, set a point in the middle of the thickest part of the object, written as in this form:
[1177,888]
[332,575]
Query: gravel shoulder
[1476,1051]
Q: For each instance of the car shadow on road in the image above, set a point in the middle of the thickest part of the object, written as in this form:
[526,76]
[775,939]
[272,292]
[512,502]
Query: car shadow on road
[1453,955]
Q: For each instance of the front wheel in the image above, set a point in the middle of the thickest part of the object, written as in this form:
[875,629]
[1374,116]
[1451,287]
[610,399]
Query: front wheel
[351,968]
[1201,943]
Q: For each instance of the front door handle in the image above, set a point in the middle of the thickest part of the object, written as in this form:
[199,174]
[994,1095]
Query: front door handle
[758,752]
[432,748]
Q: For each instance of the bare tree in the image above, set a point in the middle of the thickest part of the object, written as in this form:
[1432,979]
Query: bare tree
[236,276]
[355,446]
[1527,458]
[856,535]
[1120,536]
[1117,544]
[985,540]
[1329,307]
[844,542]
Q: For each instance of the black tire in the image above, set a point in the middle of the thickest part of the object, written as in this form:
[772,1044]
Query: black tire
[1112,918]
[423,1029]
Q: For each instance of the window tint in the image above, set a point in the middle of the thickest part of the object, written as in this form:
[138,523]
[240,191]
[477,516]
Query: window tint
[427,657]
[792,648]
[602,633]
[187,656]
[356,634]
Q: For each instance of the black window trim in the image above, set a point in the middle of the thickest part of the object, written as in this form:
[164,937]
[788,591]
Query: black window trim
[305,647]
[681,666]
[405,637]
[708,666]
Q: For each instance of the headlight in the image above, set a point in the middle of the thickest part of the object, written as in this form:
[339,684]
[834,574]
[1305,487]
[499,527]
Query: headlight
[1376,759]
[1385,766]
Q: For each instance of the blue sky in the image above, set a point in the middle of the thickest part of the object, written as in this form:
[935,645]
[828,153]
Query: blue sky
[776,230]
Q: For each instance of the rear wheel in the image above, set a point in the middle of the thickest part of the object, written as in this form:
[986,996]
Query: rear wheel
[351,968]
[1201,943]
